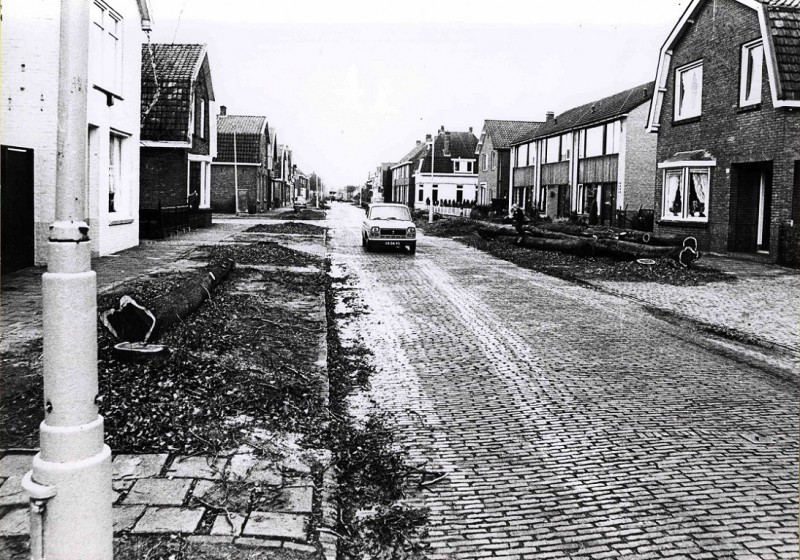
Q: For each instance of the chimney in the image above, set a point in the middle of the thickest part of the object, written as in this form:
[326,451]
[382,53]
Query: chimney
[447,143]
[470,130]
[549,116]
[427,138]
[419,142]
[223,110]
[441,129]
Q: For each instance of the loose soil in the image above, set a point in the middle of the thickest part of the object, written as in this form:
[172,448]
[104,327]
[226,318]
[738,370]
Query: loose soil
[293,228]
[307,214]
[573,267]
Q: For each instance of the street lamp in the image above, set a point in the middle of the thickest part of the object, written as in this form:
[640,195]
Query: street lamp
[432,144]
[70,482]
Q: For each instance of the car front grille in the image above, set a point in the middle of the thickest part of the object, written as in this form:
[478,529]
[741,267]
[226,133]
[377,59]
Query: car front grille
[393,232]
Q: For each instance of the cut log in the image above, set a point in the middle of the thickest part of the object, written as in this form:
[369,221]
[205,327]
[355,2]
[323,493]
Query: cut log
[620,250]
[662,240]
[492,231]
[134,323]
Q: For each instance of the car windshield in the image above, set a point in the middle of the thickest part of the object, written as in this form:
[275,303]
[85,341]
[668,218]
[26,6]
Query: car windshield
[389,213]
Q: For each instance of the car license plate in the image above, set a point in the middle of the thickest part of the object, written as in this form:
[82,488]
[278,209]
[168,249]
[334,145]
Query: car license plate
[393,243]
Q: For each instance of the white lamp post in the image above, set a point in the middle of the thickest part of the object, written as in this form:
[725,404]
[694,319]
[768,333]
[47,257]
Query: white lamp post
[432,144]
[70,483]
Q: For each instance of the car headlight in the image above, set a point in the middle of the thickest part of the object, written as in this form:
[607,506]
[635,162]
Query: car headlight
[411,232]
[374,230]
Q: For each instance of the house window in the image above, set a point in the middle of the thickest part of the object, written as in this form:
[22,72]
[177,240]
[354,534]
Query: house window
[459,194]
[686,194]
[600,140]
[522,155]
[752,65]
[114,171]
[552,147]
[484,163]
[469,166]
[435,194]
[494,160]
[202,119]
[688,91]
[542,205]
[105,48]
[419,195]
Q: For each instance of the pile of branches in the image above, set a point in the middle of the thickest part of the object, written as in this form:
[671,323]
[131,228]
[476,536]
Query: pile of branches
[287,227]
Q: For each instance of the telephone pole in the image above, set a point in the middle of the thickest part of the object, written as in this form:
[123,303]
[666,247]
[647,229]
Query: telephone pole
[70,483]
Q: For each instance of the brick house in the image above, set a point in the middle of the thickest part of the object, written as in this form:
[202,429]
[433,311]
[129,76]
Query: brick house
[494,157]
[243,164]
[30,69]
[727,114]
[455,169]
[402,179]
[596,161]
[178,138]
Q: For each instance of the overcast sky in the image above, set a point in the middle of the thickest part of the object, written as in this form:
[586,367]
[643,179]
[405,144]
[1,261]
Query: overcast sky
[349,84]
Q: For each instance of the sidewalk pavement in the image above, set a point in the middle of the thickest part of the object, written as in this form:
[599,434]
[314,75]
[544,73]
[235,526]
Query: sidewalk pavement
[759,304]
[168,493]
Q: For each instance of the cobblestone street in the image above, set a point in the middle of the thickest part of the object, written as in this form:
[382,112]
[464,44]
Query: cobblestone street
[570,422]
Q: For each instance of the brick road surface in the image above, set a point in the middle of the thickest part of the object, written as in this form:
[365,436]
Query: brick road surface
[570,422]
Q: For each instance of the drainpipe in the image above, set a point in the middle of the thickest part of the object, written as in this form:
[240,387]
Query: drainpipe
[70,483]
[235,177]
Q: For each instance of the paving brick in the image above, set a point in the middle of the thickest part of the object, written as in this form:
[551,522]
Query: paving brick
[254,469]
[169,520]
[138,466]
[297,500]
[125,517]
[15,464]
[158,492]
[196,467]
[16,522]
[222,525]
[12,493]
[276,525]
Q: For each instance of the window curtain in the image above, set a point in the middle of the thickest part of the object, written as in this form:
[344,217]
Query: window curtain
[672,194]
[699,194]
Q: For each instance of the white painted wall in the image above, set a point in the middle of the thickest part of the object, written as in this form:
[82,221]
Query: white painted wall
[29,105]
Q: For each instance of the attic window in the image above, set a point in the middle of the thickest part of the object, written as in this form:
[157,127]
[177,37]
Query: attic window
[689,91]
[751,73]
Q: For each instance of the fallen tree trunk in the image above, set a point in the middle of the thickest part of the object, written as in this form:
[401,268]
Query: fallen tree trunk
[621,250]
[491,231]
[135,323]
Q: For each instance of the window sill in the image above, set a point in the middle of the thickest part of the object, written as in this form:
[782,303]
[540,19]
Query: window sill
[120,222]
[688,120]
[749,108]
[683,223]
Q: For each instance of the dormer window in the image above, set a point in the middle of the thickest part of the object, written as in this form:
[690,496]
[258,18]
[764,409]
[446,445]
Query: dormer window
[751,68]
[462,165]
[689,91]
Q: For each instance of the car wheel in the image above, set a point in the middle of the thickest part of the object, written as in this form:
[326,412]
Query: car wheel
[412,248]
[368,246]
[363,240]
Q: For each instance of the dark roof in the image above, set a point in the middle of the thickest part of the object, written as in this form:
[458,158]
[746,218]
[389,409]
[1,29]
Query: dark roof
[598,111]
[783,25]
[503,133]
[462,145]
[249,133]
[175,66]
[414,154]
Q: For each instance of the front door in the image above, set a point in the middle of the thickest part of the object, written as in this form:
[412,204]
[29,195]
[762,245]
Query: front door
[16,201]
[751,205]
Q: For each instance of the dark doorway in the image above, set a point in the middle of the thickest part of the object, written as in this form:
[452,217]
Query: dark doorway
[751,205]
[607,193]
[562,209]
[16,201]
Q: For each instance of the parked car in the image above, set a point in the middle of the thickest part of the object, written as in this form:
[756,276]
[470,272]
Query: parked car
[388,225]
[300,203]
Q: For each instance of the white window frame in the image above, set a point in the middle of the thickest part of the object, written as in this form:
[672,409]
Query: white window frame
[107,72]
[494,160]
[695,111]
[202,118]
[752,73]
[670,210]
